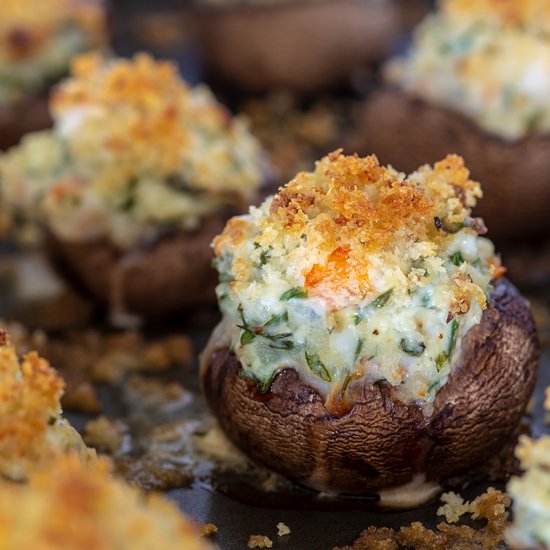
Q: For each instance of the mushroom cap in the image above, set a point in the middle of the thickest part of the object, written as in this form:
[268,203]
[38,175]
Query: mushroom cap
[302,46]
[28,115]
[408,132]
[170,275]
[381,442]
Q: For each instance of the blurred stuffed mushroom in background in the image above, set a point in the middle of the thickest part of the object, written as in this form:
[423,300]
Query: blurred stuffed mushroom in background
[37,42]
[369,343]
[301,46]
[476,81]
[138,174]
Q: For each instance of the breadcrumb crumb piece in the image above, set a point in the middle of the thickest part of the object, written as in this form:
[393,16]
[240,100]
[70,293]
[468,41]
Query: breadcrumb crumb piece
[208,529]
[453,508]
[259,541]
[282,529]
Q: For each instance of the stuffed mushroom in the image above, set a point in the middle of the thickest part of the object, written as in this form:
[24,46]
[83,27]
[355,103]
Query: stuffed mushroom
[137,176]
[37,42]
[476,81]
[297,45]
[369,342]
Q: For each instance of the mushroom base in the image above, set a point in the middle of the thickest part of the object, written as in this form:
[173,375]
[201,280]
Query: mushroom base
[301,46]
[172,274]
[29,115]
[382,443]
[408,132]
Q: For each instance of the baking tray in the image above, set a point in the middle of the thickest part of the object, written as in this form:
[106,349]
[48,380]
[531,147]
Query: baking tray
[135,27]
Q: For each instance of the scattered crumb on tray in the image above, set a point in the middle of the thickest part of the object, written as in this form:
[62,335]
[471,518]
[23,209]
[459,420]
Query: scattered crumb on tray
[259,541]
[208,529]
[86,356]
[105,434]
[490,506]
[453,507]
[282,529]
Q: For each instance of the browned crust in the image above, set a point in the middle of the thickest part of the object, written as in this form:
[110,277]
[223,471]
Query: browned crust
[515,176]
[28,115]
[302,46]
[173,274]
[382,442]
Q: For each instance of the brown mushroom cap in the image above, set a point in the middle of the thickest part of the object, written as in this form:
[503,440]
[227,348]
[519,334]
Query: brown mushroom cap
[28,115]
[407,132]
[172,274]
[382,442]
[302,46]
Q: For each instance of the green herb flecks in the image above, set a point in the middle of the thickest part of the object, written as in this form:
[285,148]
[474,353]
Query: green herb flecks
[265,255]
[276,319]
[296,292]
[445,356]
[251,332]
[247,337]
[412,347]
[358,348]
[378,303]
[317,366]
[452,340]
[345,384]
[457,258]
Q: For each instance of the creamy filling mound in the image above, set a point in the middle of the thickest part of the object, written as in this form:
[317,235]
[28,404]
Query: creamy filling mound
[134,152]
[488,59]
[355,272]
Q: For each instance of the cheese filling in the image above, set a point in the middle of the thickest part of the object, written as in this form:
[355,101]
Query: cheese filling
[488,59]
[134,151]
[355,272]
[38,40]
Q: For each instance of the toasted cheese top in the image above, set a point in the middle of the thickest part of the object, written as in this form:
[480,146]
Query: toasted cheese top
[134,148]
[487,59]
[77,507]
[531,495]
[38,39]
[355,271]
[32,429]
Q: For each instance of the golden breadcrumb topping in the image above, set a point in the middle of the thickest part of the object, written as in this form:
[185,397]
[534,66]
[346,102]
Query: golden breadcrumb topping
[38,38]
[149,100]
[312,277]
[76,507]
[487,59]
[133,148]
[515,13]
[32,430]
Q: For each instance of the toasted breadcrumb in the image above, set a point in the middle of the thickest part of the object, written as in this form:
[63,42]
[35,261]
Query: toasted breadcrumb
[105,434]
[259,541]
[83,507]
[209,529]
[282,529]
[453,508]
[32,430]
[490,506]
